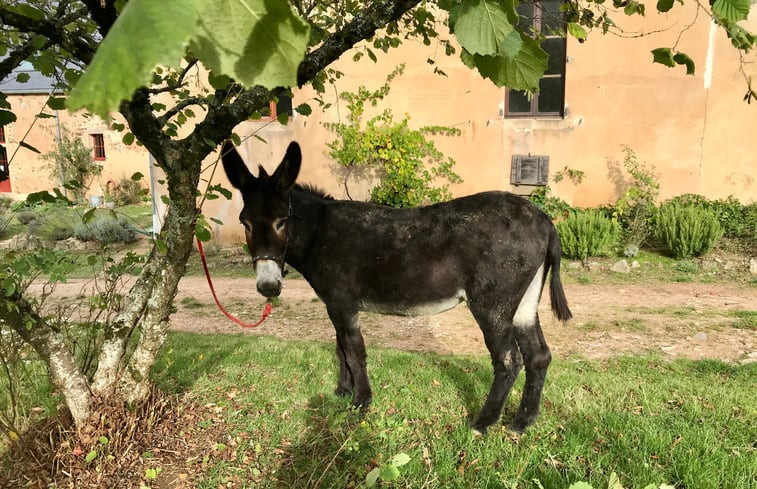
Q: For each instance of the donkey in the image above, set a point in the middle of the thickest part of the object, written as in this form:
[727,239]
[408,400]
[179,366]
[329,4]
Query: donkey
[492,250]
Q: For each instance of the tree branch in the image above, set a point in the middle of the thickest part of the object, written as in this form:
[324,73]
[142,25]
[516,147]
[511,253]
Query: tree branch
[363,26]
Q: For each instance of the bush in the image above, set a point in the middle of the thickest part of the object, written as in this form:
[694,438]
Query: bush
[729,212]
[686,229]
[634,209]
[126,191]
[53,223]
[25,217]
[106,230]
[587,233]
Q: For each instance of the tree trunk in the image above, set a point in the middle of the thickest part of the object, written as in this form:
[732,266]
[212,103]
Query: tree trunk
[64,374]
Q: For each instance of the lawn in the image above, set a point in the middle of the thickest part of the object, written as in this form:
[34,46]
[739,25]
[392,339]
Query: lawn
[650,421]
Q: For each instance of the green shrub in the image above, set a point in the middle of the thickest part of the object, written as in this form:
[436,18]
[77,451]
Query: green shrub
[729,212]
[749,232]
[25,217]
[686,229]
[587,233]
[635,208]
[51,223]
[106,230]
[552,206]
[127,191]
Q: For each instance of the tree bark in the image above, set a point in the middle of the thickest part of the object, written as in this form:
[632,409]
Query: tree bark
[64,374]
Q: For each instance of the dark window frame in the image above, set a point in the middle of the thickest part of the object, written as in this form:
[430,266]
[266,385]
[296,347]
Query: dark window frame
[98,147]
[3,150]
[534,112]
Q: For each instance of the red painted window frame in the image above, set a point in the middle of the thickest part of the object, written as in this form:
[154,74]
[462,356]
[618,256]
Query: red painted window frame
[98,147]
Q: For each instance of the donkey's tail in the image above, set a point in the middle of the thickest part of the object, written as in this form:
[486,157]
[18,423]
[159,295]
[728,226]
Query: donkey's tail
[556,292]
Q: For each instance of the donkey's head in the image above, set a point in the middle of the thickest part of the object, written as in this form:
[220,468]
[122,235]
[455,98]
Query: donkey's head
[267,207]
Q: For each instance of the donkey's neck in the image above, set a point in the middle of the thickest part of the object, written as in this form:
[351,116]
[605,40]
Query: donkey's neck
[307,206]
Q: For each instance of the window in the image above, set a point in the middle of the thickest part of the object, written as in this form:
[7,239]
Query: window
[4,169]
[284,105]
[98,143]
[529,170]
[544,17]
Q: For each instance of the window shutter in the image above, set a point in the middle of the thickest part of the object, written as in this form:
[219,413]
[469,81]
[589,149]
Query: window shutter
[529,170]
[543,177]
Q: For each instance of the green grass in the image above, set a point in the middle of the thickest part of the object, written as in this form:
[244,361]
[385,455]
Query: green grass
[745,319]
[686,423]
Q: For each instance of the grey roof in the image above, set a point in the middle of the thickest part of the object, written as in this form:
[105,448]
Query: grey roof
[37,83]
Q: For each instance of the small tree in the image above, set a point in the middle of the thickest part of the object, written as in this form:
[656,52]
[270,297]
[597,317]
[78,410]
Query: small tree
[71,163]
[405,161]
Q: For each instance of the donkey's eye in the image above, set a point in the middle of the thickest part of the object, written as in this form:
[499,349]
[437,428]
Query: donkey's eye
[279,224]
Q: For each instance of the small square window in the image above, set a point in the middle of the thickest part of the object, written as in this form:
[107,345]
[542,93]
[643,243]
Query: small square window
[529,170]
[98,143]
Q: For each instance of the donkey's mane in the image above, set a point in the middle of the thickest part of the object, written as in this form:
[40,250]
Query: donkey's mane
[313,190]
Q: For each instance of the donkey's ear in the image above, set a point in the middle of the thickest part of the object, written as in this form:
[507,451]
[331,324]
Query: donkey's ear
[236,170]
[286,174]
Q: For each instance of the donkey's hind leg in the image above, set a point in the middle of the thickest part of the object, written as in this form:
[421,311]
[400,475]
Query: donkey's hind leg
[507,362]
[352,356]
[537,358]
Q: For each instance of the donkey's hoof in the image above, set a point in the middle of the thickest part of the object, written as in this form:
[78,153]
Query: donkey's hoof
[519,425]
[343,391]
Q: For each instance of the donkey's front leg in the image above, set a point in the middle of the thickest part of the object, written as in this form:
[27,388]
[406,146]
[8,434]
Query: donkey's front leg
[352,355]
[344,386]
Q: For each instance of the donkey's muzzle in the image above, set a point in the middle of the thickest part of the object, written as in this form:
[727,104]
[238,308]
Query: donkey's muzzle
[269,278]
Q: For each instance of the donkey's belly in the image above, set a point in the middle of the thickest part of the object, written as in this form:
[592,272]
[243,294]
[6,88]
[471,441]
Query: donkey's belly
[414,309]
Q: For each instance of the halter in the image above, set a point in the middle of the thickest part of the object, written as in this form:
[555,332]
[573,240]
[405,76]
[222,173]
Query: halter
[281,259]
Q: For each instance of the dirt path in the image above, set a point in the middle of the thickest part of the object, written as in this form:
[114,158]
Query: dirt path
[687,320]
[690,320]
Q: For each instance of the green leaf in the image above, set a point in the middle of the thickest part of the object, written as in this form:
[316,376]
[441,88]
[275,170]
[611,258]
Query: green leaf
[684,59]
[137,176]
[256,42]
[372,477]
[731,10]
[664,5]
[520,72]
[485,27]
[88,216]
[389,473]
[614,482]
[90,456]
[400,459]
[283,118]
[57,103]
[580,485]
[162,246]
[22,77]
[577,31]
[202,232]
[663,56]
[128,138]
[28,11]
[9,286]
[304,109]
[6,117]
[146,34]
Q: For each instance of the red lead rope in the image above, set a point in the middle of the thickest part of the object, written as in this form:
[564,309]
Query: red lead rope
[266,311]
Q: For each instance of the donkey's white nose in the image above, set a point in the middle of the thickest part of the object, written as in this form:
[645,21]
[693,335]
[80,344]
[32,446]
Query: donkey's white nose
[268,278]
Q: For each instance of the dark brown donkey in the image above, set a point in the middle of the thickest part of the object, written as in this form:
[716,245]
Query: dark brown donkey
[492,250]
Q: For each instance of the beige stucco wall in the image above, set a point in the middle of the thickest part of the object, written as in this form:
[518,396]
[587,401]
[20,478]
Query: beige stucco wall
[29,172]
[699,140]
